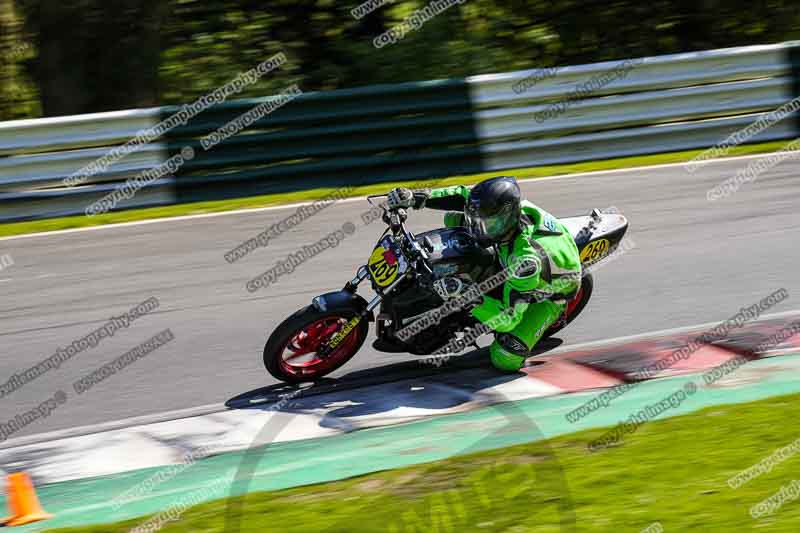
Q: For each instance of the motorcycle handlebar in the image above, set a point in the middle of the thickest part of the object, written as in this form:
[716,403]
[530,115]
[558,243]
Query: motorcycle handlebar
[395,219]
[383,204]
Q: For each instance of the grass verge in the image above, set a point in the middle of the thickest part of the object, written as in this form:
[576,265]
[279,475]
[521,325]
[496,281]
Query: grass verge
[673,472]
[132,215]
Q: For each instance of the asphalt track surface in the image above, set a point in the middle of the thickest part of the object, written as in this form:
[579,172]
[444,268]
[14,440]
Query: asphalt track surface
[694,262]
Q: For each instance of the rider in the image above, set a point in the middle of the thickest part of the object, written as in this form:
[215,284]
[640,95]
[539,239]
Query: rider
[535,295]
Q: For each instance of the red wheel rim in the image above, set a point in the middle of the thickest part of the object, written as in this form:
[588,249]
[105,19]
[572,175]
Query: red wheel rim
[573,304]
[299,355]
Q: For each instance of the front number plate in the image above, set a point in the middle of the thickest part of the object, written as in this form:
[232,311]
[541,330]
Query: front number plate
[386,263]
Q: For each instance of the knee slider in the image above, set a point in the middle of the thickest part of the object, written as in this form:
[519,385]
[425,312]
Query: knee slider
[512,343]
[504,360]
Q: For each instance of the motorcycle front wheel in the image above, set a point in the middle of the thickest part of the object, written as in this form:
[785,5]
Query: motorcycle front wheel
[290,354]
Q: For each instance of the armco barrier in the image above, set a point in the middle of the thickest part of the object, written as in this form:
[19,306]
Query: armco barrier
[410,130]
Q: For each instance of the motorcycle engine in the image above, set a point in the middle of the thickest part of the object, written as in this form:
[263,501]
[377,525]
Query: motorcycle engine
[451,287]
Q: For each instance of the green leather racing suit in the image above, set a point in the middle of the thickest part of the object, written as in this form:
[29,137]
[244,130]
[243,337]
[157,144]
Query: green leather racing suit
[532,298]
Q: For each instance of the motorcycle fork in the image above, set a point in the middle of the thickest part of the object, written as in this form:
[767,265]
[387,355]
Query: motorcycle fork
[361,275]
[380,320]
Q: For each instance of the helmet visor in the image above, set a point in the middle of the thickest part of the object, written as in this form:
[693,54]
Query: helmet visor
[490,228]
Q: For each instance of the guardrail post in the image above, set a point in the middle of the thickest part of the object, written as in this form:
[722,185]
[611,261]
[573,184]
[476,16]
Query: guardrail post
[794,62]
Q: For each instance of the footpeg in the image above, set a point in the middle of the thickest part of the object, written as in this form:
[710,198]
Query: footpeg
[387,346]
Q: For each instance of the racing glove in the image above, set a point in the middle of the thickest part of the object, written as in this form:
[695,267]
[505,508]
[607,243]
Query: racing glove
[402,197]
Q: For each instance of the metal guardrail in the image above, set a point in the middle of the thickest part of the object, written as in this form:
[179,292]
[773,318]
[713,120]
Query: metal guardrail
[408,131]
[79,131]
[653,74]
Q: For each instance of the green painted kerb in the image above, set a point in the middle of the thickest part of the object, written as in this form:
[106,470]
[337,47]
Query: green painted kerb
[292,464]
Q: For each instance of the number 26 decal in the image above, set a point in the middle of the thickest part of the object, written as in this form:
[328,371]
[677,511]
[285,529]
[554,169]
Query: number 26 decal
[594,250]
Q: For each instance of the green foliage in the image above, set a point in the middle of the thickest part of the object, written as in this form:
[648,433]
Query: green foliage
[201,44]
[93,55]
[18,97]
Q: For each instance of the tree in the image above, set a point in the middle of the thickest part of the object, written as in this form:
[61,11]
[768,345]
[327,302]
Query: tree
[17,94]
[95,55]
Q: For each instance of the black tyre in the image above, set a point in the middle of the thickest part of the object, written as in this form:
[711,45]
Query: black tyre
[575,307]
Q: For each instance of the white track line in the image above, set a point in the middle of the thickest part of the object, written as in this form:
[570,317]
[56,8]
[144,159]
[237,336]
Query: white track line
[144,420]
[167,416]
[363,198]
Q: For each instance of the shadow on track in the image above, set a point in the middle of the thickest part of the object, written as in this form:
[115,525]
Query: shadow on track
[381,375]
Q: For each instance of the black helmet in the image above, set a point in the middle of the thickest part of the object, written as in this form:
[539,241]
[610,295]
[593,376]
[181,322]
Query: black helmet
[493,210]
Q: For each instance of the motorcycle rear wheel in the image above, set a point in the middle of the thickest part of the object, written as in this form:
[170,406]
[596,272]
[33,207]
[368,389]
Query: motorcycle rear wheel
[574,307]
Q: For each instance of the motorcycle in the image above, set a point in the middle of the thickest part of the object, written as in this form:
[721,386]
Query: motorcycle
[412,275]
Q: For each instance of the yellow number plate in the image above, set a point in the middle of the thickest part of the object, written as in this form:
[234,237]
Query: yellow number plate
[594,250]
[382,272]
